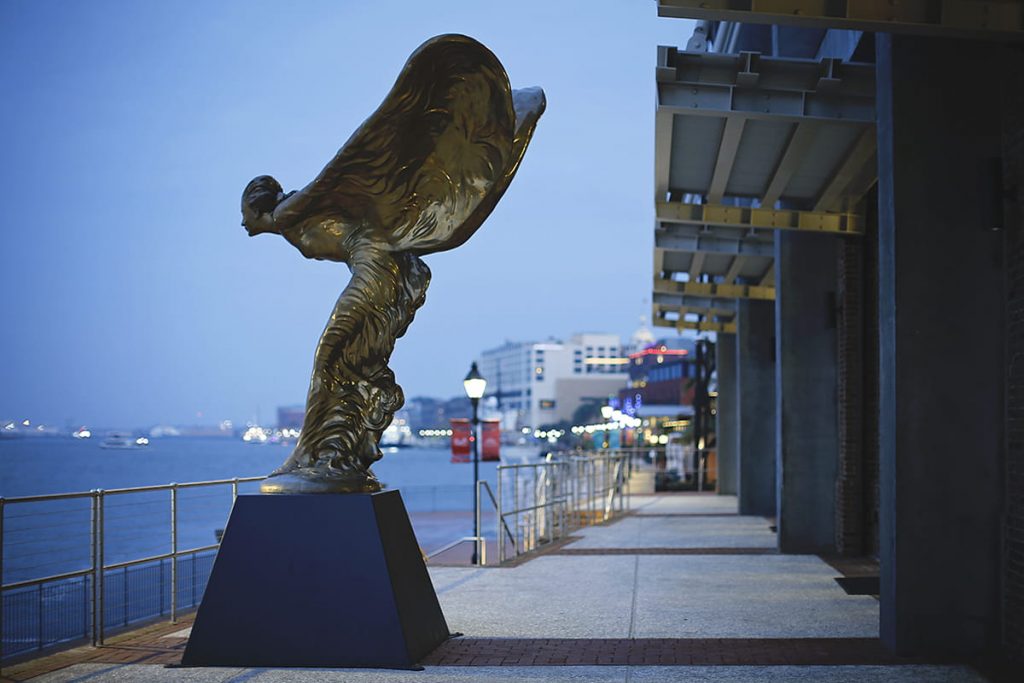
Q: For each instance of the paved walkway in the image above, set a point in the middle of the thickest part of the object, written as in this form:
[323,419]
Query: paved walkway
[682,589]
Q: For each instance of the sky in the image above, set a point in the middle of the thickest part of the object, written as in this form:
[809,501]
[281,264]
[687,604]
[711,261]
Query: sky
[129,293]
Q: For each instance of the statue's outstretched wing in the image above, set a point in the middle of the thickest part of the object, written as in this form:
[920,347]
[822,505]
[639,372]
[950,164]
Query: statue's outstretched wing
[430,164]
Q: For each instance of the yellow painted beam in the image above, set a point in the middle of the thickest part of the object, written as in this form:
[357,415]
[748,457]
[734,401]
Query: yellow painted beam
[710,289]
[846,222]
[706,326]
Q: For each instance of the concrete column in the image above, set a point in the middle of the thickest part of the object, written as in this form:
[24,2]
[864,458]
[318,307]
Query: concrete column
[755,406]
[941,338]
[726,425]
[806,429]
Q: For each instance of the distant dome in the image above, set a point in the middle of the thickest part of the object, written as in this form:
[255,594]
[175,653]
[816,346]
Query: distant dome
[643,337]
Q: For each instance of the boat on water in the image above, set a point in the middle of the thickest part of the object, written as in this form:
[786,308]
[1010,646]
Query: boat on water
[123,440]
[397,435]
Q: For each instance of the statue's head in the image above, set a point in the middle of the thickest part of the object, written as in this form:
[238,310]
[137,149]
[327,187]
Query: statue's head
[259,199]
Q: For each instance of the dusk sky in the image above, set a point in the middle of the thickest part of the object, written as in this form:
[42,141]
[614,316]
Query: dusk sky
[132,296]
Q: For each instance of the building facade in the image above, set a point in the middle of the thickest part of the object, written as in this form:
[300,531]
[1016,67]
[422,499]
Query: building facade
[660,374]
[530,384]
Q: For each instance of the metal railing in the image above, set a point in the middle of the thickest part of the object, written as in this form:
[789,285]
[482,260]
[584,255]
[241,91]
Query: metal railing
[539,503]
[77,566]
[83,564]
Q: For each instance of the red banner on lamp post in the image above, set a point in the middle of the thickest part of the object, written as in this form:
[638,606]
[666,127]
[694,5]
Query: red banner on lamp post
[461,435]
[490,440]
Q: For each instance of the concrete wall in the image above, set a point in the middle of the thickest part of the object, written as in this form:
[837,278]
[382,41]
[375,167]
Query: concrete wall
[942,335]
[806,431]
[726,424]
[755,409]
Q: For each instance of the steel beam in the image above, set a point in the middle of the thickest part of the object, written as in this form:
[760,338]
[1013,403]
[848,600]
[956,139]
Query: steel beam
[993,19]
[692,309]
[796,150]
[662,153]
[727,149]
[701,99]
[857,158]
[769,277]
[713,305]
[714,290]
[697,265]
[734,270]
[679,241]
[764,218]
[755,72]
[701,326]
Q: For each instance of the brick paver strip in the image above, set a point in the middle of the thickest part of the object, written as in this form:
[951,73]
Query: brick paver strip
[146,645]
[666,551]
[661,652]
[151,646]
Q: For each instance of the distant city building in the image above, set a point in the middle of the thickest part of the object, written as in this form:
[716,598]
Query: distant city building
[530,384]
[290,417]
[661,375]
[425,412]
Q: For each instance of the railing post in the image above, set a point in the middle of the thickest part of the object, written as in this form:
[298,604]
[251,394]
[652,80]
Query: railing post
[94,553]
[592,471]
[479,530]
[517,544]
[501,520]
[174,553]
[99,604]
[234,490]
[39,609]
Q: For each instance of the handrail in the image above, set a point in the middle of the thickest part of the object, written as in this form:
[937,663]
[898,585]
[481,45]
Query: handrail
[494,502]
[131,489]
[95,610]
[47,579]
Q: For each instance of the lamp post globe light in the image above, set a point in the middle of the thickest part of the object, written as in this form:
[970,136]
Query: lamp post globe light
[475,385]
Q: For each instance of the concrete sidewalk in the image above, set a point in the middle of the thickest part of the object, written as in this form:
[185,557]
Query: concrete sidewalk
[682,589]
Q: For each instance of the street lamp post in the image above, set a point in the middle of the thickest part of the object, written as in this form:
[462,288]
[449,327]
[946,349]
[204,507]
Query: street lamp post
[606,413]
[475,385]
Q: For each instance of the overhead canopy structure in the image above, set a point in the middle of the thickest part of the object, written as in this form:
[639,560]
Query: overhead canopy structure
[748,145]
[992,18]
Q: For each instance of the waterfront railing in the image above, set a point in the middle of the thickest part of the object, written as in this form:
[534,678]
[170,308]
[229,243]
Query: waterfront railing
[80,566]
[542,503]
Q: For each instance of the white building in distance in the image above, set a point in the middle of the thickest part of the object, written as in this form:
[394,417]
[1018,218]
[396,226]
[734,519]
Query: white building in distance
[530,384]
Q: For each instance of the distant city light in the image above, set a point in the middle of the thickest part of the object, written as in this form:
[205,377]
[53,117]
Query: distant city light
[606,361]
[255,434]
[435,432]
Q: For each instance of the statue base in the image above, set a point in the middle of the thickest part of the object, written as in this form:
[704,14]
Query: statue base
[317,581]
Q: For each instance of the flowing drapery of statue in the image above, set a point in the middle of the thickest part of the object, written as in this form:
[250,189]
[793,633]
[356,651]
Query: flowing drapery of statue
[419,176]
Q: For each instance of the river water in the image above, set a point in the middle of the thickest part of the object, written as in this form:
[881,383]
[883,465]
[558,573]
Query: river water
[42,539]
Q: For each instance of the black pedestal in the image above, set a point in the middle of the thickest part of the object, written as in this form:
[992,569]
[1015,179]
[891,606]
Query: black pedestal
[328,580]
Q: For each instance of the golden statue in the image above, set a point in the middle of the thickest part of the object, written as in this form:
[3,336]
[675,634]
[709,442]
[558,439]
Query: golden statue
[418,177]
